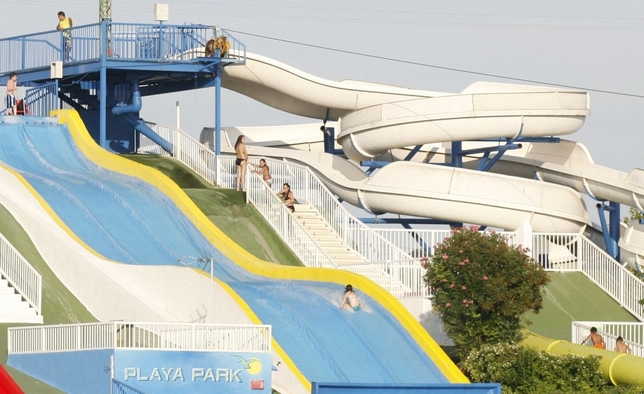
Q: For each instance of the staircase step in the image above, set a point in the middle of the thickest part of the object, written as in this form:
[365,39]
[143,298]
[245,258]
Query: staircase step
[7,290]
[34,319]
[13,297]
[16,309]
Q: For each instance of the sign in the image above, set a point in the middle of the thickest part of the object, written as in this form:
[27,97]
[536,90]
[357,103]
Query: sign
[160,371]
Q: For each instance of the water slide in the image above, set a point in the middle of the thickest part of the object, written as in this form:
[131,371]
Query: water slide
[379,120]
[132,215]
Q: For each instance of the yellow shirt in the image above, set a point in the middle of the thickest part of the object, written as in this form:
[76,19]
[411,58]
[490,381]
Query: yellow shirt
[64,24]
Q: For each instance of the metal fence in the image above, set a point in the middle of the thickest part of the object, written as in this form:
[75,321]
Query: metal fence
[118,41]
[20,274]
[119,387]
[555,252]
[42,99]
[574,252]
[137,335]
[281,219]
[631,333]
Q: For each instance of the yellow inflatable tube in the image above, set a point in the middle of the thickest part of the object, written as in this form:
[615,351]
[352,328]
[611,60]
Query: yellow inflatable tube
[251,263]
[618,368]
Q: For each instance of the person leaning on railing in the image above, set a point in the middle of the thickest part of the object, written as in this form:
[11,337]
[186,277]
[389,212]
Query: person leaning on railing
[65,25]
[621,347]
[264,171]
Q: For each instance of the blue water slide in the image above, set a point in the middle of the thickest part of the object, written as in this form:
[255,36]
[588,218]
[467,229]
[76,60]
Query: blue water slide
[129,221]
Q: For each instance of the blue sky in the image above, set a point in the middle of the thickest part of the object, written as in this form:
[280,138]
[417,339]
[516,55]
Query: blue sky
[590,44]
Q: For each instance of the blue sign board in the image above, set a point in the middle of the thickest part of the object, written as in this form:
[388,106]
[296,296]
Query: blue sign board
[152,371]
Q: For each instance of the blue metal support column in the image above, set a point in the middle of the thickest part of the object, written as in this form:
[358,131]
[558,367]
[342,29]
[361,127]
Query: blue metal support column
[457,158]
[615,225]
[102,94]
[218,68]
[611,228]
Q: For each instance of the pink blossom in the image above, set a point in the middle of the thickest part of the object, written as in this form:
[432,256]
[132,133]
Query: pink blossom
[464,301]
[460,251]
[448,305]
[466,261]
[464,287]
[452,286]
[484,277]
[445,257]
[461,263]
[474,228]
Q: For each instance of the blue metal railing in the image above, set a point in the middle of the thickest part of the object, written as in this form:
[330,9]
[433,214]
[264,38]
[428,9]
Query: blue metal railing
[42,99]
[119,387]
[124,42]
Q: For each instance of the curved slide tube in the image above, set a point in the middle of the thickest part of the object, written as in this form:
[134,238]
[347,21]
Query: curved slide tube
[483,110]
[380,118]
[440,192]
[618,368]
[118,217]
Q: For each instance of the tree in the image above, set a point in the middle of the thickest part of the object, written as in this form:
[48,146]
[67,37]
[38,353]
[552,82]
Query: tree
[482,286]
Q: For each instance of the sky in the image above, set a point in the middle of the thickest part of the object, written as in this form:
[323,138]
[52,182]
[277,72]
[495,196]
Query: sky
[593,45]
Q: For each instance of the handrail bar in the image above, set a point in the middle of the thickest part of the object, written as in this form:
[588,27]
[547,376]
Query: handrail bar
[22,276]
[139,335]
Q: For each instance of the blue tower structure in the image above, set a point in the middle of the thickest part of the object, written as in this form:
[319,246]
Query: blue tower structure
[112,66]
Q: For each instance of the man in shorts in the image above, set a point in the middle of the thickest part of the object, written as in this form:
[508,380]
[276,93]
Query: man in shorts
[12,86]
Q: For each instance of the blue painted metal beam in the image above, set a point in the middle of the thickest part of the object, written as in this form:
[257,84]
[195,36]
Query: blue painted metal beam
[412,153]
[607,230]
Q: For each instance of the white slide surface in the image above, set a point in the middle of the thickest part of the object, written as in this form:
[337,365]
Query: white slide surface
[375,119]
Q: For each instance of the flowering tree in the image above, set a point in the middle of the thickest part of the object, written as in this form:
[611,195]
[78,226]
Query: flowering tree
[481,287]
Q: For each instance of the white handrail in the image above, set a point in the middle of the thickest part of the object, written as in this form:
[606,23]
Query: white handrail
[556,252]
[355,234]
[20,274]
[631,333]
[292,232]
[575,252]
[139,335]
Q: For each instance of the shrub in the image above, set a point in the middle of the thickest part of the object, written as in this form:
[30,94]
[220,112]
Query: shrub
[526,370]
[481,287]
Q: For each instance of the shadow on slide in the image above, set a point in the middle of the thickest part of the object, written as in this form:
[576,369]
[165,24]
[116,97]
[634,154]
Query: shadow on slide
[132,214]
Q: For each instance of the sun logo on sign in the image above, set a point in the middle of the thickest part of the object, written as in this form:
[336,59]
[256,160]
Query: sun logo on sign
[253,365]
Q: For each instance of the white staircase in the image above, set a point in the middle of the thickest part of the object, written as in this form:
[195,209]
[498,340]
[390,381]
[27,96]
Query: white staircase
[329,240]
[13,309]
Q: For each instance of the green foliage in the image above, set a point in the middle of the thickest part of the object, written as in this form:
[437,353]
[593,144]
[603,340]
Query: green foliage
[481,287]
[526,370]
[636,214]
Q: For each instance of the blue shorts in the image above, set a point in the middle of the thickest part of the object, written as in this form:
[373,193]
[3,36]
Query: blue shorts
[356,308]
[10,100]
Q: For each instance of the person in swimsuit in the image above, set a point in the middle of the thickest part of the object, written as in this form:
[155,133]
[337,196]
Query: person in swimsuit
[264,171]
[598,340]
[621,347]
[12,86]
[350,300]
[241,162]
[287,195]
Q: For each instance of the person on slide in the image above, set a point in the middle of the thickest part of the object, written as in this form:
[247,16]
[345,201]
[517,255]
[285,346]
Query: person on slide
[350,300]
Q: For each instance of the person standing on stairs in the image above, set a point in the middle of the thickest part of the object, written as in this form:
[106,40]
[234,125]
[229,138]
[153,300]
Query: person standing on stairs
[241,162]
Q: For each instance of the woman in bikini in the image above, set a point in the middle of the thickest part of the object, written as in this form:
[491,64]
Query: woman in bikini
[287,195]
[264,171]
[241,162]
[350,300]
